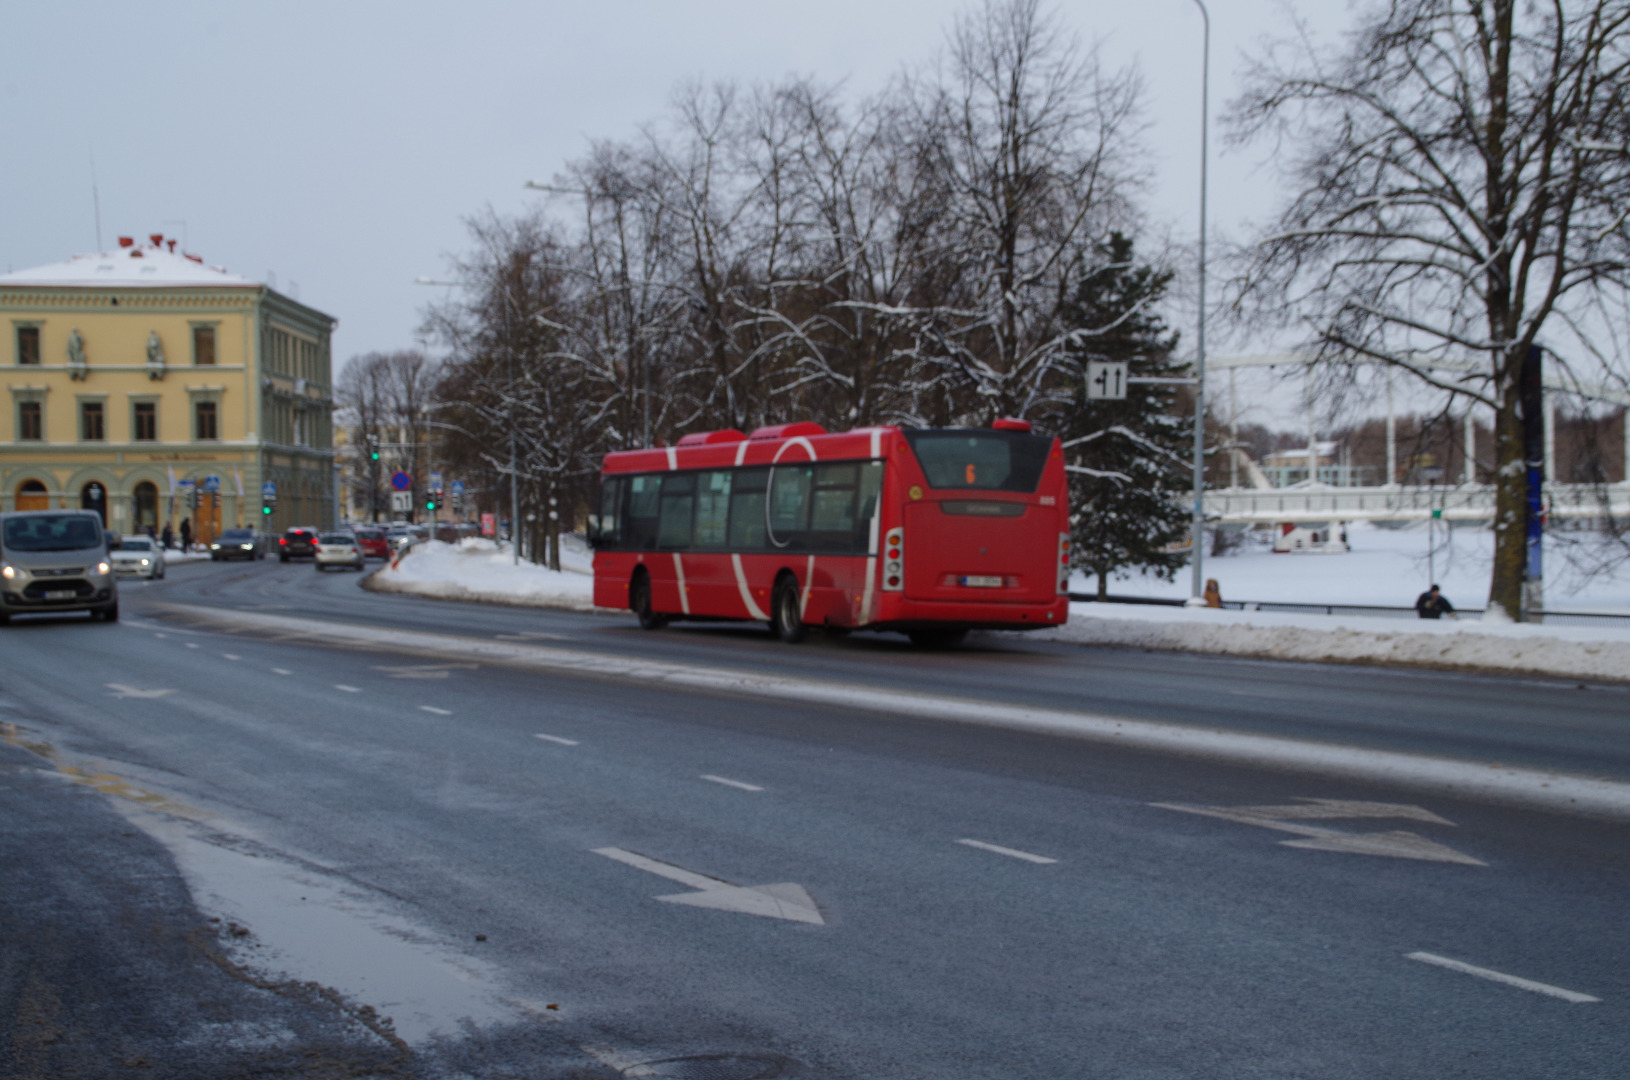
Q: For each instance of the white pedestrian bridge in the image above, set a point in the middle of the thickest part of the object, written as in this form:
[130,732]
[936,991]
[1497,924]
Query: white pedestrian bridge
[1461,502]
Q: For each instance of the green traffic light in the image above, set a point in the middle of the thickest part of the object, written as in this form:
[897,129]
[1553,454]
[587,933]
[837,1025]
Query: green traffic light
[375,455]
[266,509]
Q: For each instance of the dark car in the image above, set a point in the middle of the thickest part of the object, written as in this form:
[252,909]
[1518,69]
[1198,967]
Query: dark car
[299,542]
[237,544]
[372,542]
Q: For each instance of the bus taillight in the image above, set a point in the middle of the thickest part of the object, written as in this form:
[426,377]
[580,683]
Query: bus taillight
[1063,563]
[894,560]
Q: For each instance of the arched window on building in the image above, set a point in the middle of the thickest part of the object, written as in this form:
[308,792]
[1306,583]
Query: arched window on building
[31,495]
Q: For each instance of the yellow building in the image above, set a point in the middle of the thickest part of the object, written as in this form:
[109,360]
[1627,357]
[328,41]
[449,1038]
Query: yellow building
[153,388]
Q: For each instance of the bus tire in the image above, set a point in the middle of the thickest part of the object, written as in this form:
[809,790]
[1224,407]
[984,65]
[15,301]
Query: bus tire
[937,639]
[786,613]
[639,602]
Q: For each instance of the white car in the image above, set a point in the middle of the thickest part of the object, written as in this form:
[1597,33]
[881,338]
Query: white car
[137,556]
[338,549]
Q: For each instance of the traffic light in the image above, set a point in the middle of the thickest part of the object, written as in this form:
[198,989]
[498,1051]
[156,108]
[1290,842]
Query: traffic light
[430,504]
[266,510]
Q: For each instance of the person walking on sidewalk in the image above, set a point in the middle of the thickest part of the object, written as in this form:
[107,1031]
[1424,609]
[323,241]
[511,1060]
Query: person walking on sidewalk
[186,536]
[1432,604]
[167,536]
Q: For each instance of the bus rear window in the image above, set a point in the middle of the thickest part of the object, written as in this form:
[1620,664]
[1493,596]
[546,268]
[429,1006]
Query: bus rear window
[973,460]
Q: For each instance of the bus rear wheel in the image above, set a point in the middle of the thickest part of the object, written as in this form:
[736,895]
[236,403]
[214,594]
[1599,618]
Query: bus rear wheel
[639,600]
[786,613]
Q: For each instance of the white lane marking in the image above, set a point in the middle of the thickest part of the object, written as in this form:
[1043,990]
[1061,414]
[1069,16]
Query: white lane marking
[1437,775]
[783,900]
[684,597]
[557,739]
[438,712]
[1012,853]
[731,783]
[232,656]
[161,635]
[191,644]
[533,635]
[1501,977]
[753,610]
[281,671]
[120,690]
[347,689]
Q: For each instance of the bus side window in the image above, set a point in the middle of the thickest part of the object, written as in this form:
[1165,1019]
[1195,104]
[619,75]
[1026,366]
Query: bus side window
[712,509]
[640,520]
[606,532]
[789,502]
[871,486]
[747,510]
[678,508]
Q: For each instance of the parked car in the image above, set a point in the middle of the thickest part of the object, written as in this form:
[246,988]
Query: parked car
[238,544]
[138,556]
[338,549]
[55,560]
[297,543]
[399,539]
[373,542]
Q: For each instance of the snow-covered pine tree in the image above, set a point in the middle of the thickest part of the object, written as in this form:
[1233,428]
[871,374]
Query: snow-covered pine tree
[1127,460]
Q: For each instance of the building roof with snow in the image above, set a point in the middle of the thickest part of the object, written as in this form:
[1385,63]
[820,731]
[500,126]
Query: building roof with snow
[154,265]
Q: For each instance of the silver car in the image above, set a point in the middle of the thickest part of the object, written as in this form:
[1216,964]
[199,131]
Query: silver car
[55,560]
[338,549]
[138,556]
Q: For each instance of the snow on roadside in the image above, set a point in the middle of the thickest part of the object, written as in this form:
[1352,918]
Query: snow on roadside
[1527,648]
[479,570]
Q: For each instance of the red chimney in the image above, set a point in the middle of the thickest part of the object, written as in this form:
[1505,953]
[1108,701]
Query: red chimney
[126,241]
[157,239]
[172,246]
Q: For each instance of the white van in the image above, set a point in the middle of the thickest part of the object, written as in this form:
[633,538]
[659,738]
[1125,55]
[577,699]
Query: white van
[55,560]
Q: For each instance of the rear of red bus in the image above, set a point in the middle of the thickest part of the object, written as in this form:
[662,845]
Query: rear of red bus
[974,531]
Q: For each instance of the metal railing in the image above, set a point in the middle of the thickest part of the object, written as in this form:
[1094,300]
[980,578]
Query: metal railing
[1465,502]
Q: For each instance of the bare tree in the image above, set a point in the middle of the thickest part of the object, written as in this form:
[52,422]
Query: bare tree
[1462,187]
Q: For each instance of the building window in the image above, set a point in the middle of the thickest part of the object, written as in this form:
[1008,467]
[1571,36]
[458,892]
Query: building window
[205,428]
[203,346]
[30,422]
[28,345]
[91,422]
[144,422]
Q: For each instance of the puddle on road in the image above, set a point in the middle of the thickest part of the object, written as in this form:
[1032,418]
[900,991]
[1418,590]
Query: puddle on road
[306,926]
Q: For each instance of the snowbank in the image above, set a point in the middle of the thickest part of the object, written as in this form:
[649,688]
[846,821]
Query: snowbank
[478,570]
[1526,648]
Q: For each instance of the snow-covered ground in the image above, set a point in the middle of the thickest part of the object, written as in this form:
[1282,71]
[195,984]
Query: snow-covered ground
[1387,567]
[1383,568]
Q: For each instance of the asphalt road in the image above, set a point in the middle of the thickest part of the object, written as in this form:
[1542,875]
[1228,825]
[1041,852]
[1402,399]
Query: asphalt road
[476,850]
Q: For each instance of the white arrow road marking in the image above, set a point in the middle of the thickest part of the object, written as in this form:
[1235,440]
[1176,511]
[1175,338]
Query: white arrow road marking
[1501,977]
[1392,845]
[731,783]
[784,900]
[1013,853]
[120,690]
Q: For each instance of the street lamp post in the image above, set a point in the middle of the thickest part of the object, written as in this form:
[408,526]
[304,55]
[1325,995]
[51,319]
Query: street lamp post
[1198,524]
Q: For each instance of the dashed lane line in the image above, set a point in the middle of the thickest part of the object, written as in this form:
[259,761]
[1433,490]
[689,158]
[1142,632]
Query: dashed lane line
[557,739]
[1012,853]
[231,656]
[348,689]
[731,783]
[433,709]
[281,671]
[1441,776]
[1501,977]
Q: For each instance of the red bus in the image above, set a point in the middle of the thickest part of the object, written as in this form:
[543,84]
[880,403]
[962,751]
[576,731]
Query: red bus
[932,532]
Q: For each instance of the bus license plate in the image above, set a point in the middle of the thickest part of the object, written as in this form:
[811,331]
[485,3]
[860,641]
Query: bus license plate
[982,581]
[60,594]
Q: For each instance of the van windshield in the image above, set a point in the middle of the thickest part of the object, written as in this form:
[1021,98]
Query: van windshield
[52,532]
[972,459]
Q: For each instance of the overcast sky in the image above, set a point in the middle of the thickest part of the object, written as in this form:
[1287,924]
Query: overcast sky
[338,146]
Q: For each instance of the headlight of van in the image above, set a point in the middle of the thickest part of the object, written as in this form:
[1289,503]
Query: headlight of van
[103,567]
[8,571]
